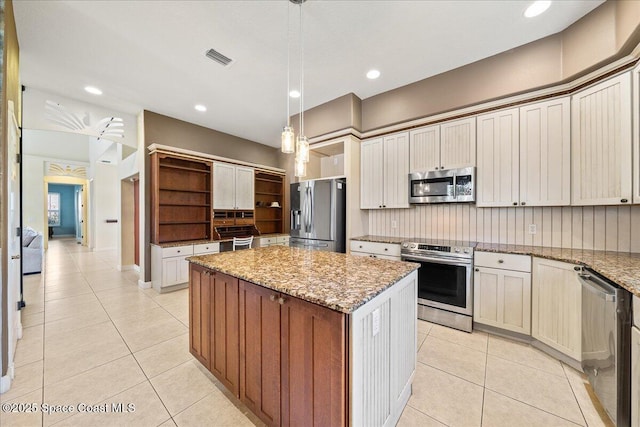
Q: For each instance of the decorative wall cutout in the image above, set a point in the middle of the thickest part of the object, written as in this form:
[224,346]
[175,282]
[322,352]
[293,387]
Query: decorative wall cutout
[107,127]
[57,169]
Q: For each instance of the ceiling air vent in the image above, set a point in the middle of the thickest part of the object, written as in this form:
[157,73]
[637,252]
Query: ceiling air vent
[218,57]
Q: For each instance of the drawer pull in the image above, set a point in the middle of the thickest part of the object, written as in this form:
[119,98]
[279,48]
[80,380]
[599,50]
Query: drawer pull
[272,297]
[178,251]
[577,268]
[386,249]
[500,261]
[281,300]
[624,200]
[360,246]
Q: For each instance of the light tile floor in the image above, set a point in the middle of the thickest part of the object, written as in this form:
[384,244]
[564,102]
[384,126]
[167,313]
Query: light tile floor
[91,336]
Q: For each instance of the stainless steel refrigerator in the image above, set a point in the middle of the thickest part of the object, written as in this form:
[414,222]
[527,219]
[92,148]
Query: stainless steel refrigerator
[318,212]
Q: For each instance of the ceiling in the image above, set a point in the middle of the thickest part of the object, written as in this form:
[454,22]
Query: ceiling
[151,54]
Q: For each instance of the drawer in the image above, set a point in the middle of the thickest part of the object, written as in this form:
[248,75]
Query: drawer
[282,240]
[388,249]
[206,248]
[177,251]
[267,241]
[245,221]
[636,311]
[227,221]
[504,261]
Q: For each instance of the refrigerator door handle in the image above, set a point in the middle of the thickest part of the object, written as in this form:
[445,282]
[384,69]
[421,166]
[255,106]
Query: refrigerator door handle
[310,209]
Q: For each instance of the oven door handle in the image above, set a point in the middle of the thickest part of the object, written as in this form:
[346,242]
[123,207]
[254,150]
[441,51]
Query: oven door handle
[437,260]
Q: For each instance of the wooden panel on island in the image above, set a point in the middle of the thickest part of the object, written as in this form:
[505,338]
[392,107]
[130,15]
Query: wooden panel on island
[269,191]
[180,199]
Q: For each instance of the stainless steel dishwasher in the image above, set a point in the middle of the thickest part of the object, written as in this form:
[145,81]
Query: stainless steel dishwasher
[606,344]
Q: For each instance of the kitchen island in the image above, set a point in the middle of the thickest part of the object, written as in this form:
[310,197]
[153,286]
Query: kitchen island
[307,337]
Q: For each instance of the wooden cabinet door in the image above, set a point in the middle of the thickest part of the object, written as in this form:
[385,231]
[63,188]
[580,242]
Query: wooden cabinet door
[314,365]
[260,347]
[424,149]
[224,187]
[556,308]
[545,150]
[502,298]
[200,314]
[458,144]
[635,376]
[244,188]
[601,143]
[396,171]
[371,174]
[498,159]
[224,332]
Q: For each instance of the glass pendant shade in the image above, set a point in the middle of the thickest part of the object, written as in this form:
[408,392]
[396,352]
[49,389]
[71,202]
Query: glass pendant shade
[303,148]
[288,140]
[300,168]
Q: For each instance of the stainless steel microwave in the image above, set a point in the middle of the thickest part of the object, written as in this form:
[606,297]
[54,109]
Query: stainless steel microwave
[443,186]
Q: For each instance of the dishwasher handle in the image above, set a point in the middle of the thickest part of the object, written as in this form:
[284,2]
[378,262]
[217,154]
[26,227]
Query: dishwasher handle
[597,286]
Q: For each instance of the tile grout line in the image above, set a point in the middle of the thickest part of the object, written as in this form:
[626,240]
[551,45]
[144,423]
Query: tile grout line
[573,392]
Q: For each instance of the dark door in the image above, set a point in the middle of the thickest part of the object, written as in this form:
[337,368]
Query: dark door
[200,314]
[225,343]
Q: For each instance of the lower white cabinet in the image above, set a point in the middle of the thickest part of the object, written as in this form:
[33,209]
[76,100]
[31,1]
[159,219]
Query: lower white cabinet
[169,266]
[390,251]
[556,309]
[277,240]
[502,296]
[635,364]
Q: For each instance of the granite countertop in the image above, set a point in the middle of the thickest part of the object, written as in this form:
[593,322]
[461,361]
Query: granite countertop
[619,267]
[338,281]
[380,239]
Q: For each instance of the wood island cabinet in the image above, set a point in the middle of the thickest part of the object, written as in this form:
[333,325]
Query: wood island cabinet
[213,320]
[285,358]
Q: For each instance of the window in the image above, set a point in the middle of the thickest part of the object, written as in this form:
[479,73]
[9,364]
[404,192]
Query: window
[54,209]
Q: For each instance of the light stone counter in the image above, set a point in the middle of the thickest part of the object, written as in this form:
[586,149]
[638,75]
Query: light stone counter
[619,267]
[337,281]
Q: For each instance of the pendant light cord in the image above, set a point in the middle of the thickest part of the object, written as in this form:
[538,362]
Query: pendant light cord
[288,64]
[301,74]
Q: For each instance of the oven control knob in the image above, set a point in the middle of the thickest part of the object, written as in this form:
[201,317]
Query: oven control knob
[405,245]
[466,251]
[457,250]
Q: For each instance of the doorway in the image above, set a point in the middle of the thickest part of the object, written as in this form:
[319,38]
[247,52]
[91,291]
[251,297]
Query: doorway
[64,211]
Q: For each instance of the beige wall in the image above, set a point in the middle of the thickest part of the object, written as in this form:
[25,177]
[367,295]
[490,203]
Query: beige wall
[341,113]
[607,33]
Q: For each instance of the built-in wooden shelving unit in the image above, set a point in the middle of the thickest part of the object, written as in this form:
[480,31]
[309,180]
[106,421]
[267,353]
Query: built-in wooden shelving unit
[269,188]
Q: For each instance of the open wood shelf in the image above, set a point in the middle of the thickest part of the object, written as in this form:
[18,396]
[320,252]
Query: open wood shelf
[183,222]
[265,193]
[184,190]
[195,205]
[277,181]
[268,220]
[269,188]
[184,168]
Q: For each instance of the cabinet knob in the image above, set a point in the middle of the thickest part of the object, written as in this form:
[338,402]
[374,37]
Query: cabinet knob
[476,269]
[379,206]
[523,203]
[384,206]
[386,249]
[178,251]
[577,268]
[281,300]
[272,297]
[515,203]
[623,200]
[441,167]
[500,261]
[360,246]
[436,168]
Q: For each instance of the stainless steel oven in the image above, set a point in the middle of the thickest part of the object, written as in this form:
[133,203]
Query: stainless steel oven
[445,281]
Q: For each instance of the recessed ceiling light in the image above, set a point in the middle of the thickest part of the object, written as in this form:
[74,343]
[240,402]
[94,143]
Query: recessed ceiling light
[373,74]
[201,108]
[294,94]
[536,8]
[93,90]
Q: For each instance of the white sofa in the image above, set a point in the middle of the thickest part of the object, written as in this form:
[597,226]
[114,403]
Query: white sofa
[32,251]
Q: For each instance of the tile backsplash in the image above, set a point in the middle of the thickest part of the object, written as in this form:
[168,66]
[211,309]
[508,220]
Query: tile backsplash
[615,228]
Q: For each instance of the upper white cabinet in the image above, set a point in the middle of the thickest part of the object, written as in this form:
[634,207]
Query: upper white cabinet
[545,153]
[556,308]
[384,172]
[601,143]
[446,146]
[636,137]
[524,156]
[232,187]
[498,159]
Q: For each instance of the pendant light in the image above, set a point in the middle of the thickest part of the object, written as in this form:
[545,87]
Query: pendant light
[302,142]
[287,144]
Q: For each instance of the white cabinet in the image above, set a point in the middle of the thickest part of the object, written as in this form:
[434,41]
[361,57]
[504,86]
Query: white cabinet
[232,187]
[502,296]
[524,156]
[545,150]
[498,171]
[446,146]
[601,143]
[169,266]
[636,136]
[390,251]
[556,309]
[384,172]
[635,365]
[273,240]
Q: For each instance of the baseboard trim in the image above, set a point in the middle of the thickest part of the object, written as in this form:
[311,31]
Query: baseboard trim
[127,267]
[5,381]
[144,285]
